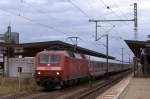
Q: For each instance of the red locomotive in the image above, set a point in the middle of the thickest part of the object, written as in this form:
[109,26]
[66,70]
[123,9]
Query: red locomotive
[53,68]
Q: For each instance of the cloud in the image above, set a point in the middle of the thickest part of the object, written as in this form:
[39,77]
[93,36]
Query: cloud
[64,17]
[47,38]
[39,2]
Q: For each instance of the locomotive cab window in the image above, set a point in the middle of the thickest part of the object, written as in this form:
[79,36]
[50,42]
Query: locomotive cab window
[49,59]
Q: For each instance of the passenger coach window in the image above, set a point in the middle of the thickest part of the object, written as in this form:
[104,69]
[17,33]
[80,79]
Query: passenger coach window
[49,59]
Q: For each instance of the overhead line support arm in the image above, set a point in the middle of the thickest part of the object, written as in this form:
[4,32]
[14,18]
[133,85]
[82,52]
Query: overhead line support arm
[109,20]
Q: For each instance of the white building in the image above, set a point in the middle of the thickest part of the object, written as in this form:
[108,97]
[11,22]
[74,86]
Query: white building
[17,67]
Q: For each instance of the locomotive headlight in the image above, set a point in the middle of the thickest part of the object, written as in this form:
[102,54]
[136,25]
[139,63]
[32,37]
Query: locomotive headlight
[39,73]
[48,64]
[57,73]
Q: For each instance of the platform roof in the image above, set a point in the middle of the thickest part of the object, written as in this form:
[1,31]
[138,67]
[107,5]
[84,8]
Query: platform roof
[34,47]
[135,46]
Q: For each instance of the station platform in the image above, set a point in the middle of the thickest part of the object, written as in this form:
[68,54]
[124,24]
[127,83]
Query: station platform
[129,88]
[138,88]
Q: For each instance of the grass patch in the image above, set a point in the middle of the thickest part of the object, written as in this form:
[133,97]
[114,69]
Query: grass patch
[14,85]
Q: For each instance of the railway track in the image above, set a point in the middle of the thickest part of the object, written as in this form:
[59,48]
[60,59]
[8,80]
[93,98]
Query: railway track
[82,91]
[97,90]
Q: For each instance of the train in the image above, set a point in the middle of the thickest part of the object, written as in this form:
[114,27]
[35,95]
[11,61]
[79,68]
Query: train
[61,67]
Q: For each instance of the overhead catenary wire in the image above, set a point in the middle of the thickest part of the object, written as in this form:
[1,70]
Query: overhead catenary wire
[53,28]
[38,10]
[77,7]
[21,7]
[104,16]
[83,12]
[104,4]
[109,8]
[71,3]
[101,43]
[93,43]
[43,25]
[118,34]
[33,21]
[36,22]
[121,12]
[113,37]
[91,6]
[88,15]
[113,12]
[118,37]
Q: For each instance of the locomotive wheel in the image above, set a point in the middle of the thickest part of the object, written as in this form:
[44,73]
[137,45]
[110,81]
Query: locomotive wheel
[70,82]
[75,81]
[49,85]
[65,84]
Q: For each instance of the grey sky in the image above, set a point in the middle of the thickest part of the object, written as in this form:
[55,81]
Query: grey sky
[69,21]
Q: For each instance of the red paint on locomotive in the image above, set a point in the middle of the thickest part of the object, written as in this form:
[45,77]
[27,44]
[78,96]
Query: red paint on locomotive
[64,68]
